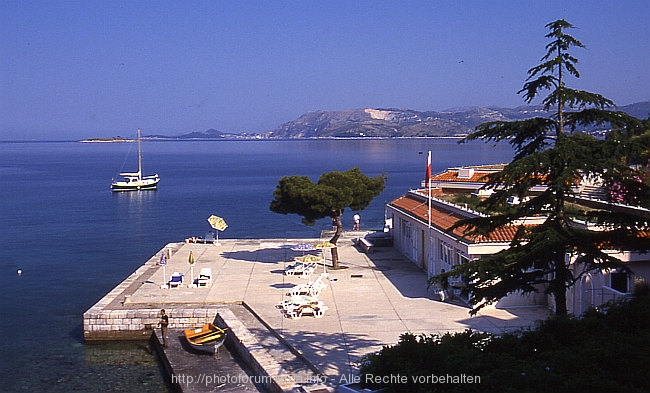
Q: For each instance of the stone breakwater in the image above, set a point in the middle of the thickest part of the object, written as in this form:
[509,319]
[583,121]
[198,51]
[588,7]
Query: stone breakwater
[115,317]
[131,311]
[248,279]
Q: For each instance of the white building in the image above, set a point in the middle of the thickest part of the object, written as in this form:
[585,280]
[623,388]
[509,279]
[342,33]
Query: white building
[421,231]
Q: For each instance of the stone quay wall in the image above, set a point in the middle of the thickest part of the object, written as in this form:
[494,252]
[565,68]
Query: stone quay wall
[138,324]
[114,317]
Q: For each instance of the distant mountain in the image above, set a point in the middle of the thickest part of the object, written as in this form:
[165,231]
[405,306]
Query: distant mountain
[207,134]
[387,123]
[640,110]
[404,123]
[369,123]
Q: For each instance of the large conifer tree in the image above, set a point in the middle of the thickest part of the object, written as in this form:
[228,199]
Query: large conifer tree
[553,154]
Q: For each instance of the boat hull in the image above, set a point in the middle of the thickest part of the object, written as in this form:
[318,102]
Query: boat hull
[210,347]
[135,185]
[207,339]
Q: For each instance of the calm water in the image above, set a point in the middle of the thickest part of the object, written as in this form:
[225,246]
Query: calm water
[75,240]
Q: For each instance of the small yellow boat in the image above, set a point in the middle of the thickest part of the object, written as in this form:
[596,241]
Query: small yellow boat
[207,338]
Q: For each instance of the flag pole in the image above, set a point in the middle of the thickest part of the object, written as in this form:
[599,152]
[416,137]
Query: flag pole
[428,179]
[428,175]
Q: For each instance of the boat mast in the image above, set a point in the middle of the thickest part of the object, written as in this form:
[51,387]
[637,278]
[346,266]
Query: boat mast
[139,158]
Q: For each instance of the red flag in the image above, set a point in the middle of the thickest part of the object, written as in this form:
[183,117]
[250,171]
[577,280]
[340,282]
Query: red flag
[428,174]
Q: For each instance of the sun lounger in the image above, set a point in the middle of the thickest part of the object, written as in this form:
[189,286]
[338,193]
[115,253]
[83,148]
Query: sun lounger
[305,269]
[205,277]
[308,270]
[309,289]
[315,308]
[176,280]
[293,269]
[297,306]
[294,301]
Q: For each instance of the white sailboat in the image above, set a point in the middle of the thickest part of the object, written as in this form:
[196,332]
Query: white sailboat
[134,181]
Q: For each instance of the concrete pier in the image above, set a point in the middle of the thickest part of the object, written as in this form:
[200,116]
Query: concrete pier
[372,301]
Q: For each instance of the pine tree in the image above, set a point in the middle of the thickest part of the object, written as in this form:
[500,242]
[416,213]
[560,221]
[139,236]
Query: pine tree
[552,154]
[333,192]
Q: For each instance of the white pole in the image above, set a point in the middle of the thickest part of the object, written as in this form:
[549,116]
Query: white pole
[429,187]
[429,205]
[139,158]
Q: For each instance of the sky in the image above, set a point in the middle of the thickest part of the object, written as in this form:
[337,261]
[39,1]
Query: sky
[94,68]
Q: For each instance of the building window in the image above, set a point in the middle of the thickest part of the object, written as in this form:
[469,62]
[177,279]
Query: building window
[619,280]
[406,229]
[459,258]
[445,253]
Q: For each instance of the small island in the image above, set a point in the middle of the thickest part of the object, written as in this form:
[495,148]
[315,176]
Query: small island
[108,140]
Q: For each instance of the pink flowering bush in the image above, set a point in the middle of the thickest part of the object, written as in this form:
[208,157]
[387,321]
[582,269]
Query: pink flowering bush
[627,191]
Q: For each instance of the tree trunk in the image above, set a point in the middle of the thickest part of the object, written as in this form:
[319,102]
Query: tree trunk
[560,302]
[335,258]
[334,239]
[559,286]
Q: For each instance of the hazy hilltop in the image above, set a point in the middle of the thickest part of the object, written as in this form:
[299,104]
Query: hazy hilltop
[640,110]
[369,123]
[386,123]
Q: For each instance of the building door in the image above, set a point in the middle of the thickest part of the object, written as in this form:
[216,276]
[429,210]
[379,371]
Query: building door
[431,256]
[414,245]
[422,250]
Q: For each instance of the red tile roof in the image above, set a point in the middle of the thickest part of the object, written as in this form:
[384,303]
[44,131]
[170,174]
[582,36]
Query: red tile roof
[478,173]
[452,176]
[443,218]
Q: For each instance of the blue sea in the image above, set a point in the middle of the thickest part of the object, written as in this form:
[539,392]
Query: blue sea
[74,239]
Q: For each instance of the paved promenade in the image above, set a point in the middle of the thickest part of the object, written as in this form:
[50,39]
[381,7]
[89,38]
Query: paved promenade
[375,299]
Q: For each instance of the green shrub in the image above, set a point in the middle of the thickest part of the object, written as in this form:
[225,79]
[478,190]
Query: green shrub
[604,351]
[641,287]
